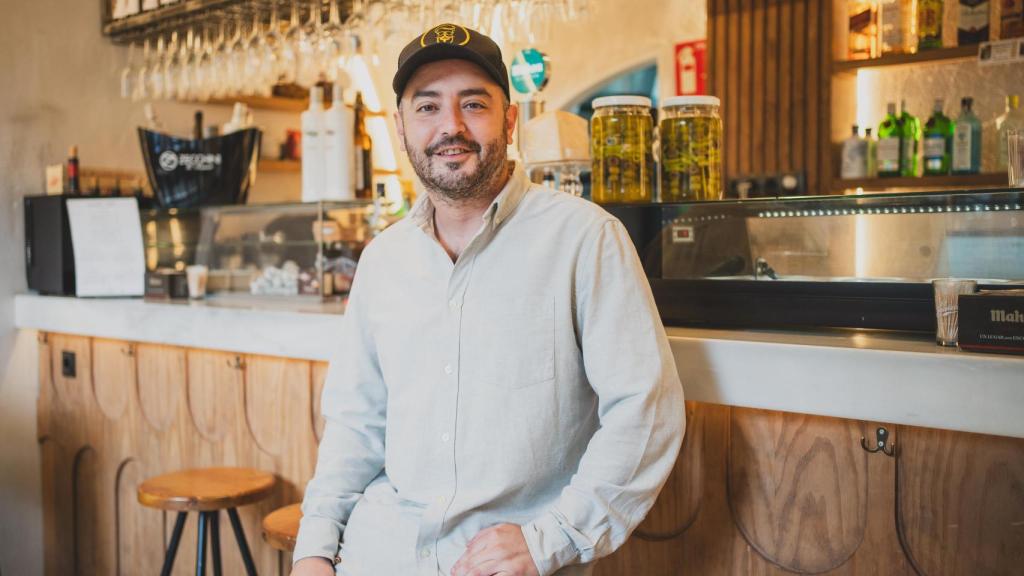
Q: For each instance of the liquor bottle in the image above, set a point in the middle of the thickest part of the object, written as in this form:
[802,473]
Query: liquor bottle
[863,38]
[910,126]
[1011,20]
[890,144]
[938,142]
[313,170]
[197,126]
[896,25]
[972,22]
[74,182]
[338,148]
[363,171]
[929,24]
[967,140]
[854,159]
[1011,119]
[872,145]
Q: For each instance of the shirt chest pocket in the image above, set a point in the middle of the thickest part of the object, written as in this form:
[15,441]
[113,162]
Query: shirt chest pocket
[512,346]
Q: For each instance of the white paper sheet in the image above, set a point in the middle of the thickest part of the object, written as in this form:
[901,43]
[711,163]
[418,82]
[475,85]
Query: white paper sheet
[107,238]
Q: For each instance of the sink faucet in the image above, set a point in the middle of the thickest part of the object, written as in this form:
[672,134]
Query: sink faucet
[761,268]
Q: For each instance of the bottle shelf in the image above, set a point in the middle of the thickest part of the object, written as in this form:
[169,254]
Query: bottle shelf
[279,166]
[275,103]
[936,55]
[996,179]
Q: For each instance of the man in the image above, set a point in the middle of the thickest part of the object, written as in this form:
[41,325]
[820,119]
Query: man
[504,400]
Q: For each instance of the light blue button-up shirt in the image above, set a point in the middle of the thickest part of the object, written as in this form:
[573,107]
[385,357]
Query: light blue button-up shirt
[530,382]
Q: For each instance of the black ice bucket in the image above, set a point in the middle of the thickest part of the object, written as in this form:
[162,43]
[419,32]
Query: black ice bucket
[208,172]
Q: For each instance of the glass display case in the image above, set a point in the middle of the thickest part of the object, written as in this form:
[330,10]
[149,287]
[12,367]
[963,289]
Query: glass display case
[860,261]
[279,250]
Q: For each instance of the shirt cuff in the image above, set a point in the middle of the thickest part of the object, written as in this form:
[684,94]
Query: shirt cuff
[317,537]
[549,545]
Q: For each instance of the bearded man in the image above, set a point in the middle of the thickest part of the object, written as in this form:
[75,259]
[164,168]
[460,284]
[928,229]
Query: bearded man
[503,400]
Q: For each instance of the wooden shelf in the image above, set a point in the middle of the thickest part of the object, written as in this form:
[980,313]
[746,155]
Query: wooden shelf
[936,55]
[998,179]
[279,166]
[276,103]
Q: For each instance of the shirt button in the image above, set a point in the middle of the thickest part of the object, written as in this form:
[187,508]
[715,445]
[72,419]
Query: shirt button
[447,368]
[453,304]
[425,553]
[445,437]
[440,499]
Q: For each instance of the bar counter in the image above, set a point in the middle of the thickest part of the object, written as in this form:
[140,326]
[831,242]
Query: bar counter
[781,435]
[872,376]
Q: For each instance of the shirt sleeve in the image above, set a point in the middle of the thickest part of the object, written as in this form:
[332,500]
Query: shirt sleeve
[351,452]
[630,366]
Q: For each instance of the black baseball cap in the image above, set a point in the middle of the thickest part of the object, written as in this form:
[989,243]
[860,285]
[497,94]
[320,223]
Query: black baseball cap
[445,42]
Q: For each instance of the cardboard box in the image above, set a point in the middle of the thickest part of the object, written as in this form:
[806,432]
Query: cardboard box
[992,321]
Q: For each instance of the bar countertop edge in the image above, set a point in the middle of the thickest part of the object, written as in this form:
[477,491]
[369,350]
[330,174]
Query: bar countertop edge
[871,376]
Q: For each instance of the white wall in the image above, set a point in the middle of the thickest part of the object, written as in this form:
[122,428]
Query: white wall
[61,88]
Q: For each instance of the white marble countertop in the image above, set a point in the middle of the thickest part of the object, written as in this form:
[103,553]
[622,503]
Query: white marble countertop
[873,376]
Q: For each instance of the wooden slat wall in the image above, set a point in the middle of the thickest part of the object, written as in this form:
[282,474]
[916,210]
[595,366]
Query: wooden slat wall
[770,63]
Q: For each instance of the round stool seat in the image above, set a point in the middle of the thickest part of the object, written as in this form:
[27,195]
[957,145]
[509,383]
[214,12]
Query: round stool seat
[206,489]
[281,527]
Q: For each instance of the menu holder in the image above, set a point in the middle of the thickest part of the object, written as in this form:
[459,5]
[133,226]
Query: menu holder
[106,236]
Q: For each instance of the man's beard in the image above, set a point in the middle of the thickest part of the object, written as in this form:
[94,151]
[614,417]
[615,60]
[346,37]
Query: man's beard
[454,185]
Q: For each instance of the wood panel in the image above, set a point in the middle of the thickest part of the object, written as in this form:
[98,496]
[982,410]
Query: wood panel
[133,411]
[806,511]
[770,63]
[961,502]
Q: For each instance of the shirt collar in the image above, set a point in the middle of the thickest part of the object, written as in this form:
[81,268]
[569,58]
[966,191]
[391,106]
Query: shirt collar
[422,212]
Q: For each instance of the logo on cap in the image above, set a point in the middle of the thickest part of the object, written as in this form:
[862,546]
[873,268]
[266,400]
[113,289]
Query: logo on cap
[445,34]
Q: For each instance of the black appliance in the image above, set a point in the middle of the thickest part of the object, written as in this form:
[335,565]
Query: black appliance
[853,261]
[49,257]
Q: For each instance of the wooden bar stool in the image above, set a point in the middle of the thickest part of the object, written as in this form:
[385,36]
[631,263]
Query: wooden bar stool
[281,527]
[207,491]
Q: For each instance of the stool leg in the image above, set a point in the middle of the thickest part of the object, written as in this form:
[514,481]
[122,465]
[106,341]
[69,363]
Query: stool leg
[215,541]
[243,547]
[172,547]
[201,544]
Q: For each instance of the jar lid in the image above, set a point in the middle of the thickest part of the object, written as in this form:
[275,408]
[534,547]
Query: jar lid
[691,101]
[621,101]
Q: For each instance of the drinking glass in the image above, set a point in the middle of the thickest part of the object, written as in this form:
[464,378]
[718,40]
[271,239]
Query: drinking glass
[947,298]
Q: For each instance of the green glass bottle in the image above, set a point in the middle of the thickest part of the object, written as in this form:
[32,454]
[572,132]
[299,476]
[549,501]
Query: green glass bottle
[967,140]
[910,126]
[929,24]
[890,144]
[938,142]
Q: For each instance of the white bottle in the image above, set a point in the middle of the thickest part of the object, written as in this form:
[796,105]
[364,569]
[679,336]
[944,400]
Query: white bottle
[855,157]
[313,173]
[339,123]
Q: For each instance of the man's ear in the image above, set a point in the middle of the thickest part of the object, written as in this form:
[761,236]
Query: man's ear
[511,115]
[400,128]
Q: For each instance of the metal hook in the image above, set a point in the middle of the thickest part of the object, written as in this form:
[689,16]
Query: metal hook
[881,436]
[237,363]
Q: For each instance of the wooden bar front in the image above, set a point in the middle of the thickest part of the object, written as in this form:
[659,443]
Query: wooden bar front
[754,491]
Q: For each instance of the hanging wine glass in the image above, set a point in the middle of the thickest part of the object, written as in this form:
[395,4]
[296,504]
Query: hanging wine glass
[129,75]
[169,67]
[156,72]
[186,67]
[204,68]
[142,90]
[289,62]
[308,72]
[332,43]
[251,80]
[270,54]
[220,81]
